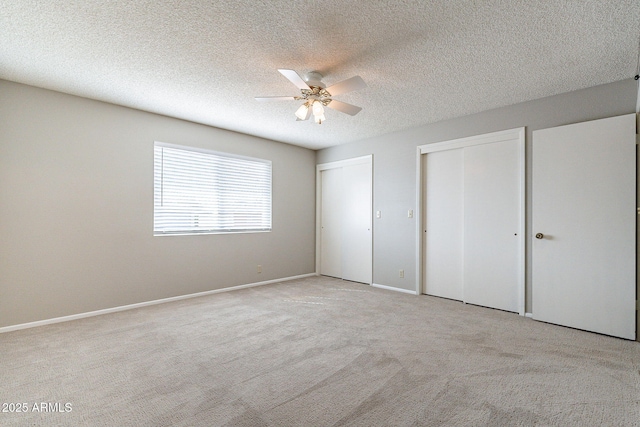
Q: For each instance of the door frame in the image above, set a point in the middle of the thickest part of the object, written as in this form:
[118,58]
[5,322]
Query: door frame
[517,134]
[368,159]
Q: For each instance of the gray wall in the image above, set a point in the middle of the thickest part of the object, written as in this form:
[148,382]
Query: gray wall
[394,166]
[76,209]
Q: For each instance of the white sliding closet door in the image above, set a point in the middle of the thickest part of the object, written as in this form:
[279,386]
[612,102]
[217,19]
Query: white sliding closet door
[473,220]
[356,225]
[331,222]
[584,226]
[491,225]
[443,211]
[345,237]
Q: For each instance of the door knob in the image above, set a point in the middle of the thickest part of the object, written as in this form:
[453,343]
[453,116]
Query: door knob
[539,236]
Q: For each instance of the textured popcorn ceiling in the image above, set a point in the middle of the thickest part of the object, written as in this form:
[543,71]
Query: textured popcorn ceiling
[423,61]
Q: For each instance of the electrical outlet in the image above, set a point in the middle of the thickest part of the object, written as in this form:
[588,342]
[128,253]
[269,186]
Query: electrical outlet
[378,214]
[401,274]
[259,269]
[410,214]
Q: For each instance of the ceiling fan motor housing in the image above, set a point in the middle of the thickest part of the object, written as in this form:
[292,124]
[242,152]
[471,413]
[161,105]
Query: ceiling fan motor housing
[314,78]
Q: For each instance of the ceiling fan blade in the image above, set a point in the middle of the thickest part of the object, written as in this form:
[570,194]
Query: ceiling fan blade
[354,83]
[275,98]
[343,107]
[294,78]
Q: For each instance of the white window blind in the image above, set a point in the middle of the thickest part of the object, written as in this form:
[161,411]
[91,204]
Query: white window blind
[200,191]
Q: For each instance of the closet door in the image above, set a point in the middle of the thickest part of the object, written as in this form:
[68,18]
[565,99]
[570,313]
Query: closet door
[443,195]
[491,225]
[584,226]
[473,205]
[356,223]
[331,222]
[345,238]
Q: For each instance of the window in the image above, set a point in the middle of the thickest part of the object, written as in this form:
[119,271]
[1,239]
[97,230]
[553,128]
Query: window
[200,191]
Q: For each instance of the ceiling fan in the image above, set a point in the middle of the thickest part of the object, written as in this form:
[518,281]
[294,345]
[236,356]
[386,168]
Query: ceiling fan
[316,95]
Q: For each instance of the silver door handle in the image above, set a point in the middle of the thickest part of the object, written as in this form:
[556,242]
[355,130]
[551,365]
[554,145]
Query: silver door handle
[539,236]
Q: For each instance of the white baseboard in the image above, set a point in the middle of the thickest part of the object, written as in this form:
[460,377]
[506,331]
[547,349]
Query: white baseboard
[391,288]
[529,315]
[143,304]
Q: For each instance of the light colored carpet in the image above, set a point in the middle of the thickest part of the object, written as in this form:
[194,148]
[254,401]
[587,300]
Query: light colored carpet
[318,352]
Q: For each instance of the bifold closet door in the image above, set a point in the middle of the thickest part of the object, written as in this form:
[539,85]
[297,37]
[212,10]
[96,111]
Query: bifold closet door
[345,223]
[584,226]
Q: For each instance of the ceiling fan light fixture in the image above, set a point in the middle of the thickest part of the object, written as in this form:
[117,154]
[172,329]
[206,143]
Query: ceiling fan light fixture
[301,113]
[318,109]
[318,112]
